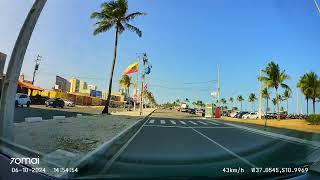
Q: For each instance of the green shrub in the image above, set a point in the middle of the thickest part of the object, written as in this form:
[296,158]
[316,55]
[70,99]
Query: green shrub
[314,119]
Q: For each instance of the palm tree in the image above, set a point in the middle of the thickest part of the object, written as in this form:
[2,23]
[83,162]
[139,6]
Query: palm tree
[266,95]
[231,100]
[274,102]
[114,14]
[265,92]
[240,99]
[178,101]
[275,77]
[252,98]
[279,100]
[125,82]
[286,97]
[224,102]
[309,85]
[187,100]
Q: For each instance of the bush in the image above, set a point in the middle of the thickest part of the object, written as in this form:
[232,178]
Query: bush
[314,119]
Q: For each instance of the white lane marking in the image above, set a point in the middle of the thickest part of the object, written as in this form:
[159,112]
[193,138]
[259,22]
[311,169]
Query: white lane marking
[151,121]
[117,154]
[226,149]
[203,123]
[162,122]
[183,122]
[193,122]
[212,123]
[173,122]
[190,127]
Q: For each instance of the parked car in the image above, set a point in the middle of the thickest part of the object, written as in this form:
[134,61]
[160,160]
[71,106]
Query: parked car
[38,100]
[246,116]
[56,102]
[191,111]
[184,107]
[234,113]
[22,99]
[241,113]
[200,112]
[68,103]
[253,115]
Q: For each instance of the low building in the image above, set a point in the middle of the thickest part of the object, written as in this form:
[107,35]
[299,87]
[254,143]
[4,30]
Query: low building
[26,87]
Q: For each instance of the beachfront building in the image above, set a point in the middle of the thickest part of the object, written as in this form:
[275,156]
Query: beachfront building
[62,84]
[74,85]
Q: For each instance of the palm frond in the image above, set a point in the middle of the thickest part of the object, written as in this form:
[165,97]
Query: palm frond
[134,15]
[102,28]
[134,29]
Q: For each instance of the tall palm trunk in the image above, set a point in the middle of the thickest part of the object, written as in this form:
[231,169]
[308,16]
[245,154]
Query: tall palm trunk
[265,116]
[287,106]
[307,106]
[241,105]
[314,105]
[278,102]
[106,107]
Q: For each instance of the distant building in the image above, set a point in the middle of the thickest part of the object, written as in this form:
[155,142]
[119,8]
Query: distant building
[92,87]
[62,84]
[83,86]
[75,85]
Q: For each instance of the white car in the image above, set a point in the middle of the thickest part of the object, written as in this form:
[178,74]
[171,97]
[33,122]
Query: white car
[68,103]
[253,115]
[246,116]
[22,99]
[234,113]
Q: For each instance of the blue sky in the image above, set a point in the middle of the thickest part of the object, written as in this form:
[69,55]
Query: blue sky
[185,40]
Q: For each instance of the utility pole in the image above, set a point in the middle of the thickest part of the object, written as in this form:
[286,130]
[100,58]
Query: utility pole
[260,96]
[36,67]
[13,71]
[145,60]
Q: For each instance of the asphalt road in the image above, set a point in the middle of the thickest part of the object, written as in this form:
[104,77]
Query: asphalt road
[197,147]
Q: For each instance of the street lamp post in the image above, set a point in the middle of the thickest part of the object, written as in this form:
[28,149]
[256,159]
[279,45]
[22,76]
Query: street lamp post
[145,60]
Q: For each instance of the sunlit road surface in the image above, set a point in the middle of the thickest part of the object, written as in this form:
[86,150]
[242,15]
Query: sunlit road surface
[200,147]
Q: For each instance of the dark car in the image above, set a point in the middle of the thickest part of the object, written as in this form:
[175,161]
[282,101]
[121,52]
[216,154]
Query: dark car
[191,111]
[56,102]
[241,113]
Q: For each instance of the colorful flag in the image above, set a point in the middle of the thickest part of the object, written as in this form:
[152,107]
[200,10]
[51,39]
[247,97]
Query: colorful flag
[132,68]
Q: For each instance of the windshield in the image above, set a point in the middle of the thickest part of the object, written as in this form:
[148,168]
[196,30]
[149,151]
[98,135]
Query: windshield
[146,89]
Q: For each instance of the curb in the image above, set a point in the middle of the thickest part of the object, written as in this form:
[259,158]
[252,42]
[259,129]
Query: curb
[96,159]
[58,117]
[33,119]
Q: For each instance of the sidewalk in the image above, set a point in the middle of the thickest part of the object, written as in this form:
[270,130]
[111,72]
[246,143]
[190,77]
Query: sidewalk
[293,124]
[74,134]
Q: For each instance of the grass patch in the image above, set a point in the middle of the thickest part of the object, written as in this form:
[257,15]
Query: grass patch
[314,119]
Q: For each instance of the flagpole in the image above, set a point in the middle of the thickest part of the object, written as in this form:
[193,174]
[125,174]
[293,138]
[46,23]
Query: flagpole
[135,92]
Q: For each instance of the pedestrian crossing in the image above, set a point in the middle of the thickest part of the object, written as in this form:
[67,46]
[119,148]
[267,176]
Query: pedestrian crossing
[186,123]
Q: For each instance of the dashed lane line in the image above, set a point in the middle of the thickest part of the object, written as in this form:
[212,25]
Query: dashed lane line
[226,149]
